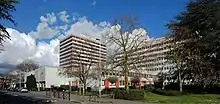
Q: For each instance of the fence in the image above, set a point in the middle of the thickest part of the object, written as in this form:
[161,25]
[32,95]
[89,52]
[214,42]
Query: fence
[65,95]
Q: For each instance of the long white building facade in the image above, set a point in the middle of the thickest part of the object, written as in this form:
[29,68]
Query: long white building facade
[153,55]
[150,60]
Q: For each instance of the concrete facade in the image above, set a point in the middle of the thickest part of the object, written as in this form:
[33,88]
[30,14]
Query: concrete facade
[48,76]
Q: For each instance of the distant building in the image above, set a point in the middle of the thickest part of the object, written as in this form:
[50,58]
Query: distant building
[75,50]
[47,77]
[153,53]
[153,60]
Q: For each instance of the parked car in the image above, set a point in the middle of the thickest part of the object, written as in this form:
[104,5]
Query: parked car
[18,89]
[24,90]
[9,89]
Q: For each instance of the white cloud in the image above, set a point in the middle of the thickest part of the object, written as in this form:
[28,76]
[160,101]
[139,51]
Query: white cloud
[93,3]
[44,29]
[49,18]
[84,26]
[23,46]
[75,16]
[64,16]
[139,35]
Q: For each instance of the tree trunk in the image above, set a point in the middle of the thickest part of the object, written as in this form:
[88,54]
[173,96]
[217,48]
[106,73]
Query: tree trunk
[180,82]
[84,87]
[179,77]
[126,70]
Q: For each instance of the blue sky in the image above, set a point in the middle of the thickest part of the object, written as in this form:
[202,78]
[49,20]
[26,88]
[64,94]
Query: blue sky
[152,14]
[39,21]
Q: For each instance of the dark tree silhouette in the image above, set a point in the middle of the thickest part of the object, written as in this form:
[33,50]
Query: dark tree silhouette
[6,7]
[31,82]
[196,33]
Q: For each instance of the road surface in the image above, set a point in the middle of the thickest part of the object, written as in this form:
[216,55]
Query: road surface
[27,98]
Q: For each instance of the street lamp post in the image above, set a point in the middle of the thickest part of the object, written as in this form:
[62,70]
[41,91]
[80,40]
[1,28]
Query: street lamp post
[100,74]
[20,79]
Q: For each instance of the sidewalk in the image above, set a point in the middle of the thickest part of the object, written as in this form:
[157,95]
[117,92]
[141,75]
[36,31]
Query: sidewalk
[115,101]
[86,99]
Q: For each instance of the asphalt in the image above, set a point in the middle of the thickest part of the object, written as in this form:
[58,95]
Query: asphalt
[41,98]
[27,98]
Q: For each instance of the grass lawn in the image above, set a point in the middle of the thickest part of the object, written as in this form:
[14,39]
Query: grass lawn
[185,99]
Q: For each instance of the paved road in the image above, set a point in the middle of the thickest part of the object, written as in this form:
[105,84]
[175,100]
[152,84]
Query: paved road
[36,97]
[27,98]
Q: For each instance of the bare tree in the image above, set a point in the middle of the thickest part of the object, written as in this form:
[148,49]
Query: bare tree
[12,77]
[126,40]
[26,66]
[81,70]
[175,55]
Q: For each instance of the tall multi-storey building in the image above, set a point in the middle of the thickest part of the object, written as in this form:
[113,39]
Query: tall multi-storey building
[152,54]
[75,50]
[150,60]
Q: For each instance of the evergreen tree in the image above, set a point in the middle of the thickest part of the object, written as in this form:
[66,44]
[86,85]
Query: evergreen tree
[31,82]
[197,32]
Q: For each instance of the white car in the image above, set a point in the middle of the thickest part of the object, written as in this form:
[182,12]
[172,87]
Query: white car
[24,90]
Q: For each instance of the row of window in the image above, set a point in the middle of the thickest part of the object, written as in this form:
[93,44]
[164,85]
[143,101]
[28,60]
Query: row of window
[81,47]
[87,41]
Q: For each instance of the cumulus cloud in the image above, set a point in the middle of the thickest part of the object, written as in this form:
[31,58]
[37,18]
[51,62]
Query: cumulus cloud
[64,16]
[138,35]
[45,30]
[84,26]
[49,18]
[23,46]
[30,46]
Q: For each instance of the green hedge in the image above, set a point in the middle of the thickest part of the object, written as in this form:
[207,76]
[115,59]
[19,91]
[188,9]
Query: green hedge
[198,89]
[167,92]
[110,90]
[131,95]
[66,87]
[148,87]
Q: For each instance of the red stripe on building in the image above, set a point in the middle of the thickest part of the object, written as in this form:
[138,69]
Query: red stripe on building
[70,84]
[117,84]
[77,83]
[139,83]
[106,84]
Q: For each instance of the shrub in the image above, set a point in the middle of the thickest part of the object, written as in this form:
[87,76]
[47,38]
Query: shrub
[167,92]
[74,88]
[135,95]
[65,87]
[119,94]
[47,89]
[89,89]
[197,89]
[148,87]
[112,79]
[131,95]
